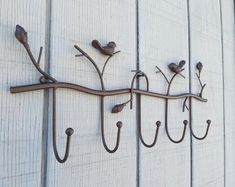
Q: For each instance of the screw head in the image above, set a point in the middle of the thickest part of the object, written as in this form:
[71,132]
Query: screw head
[119,124]
[69,131]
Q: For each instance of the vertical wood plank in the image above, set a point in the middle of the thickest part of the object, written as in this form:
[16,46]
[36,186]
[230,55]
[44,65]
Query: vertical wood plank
[205,32]
[21,114]
[227,8]
[79,22]
[163,38]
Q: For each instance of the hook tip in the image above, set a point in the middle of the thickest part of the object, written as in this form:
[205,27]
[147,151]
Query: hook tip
[158,123]
[69,131]
[185,122]
[119,124]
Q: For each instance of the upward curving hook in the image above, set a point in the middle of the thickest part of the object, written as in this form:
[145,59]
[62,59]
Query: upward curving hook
[119,125]
[69,132]
[177,70]
[205,135]
[158,123]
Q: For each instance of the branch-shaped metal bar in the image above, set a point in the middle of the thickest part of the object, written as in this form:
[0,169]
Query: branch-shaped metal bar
[69,132]
[34,87]
[93,63]
[185,122]
[22,37]
[119,126]
[106,62]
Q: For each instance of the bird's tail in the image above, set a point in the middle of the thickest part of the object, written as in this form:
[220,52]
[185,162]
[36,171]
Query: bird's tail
[96,44]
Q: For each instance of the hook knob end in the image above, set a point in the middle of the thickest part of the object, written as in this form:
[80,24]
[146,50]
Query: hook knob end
[69,131]
[185,122]
[119,124]
[158,123]
[208,122]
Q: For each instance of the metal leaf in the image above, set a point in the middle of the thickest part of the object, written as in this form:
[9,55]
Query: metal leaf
[199,66]
[21,35]
[181,63]
[118,108]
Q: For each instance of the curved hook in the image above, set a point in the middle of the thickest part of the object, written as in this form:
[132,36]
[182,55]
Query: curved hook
[119,125]
[138,73]
[183,135]
[207,129]
[158,124]
[185,122]
[69,132]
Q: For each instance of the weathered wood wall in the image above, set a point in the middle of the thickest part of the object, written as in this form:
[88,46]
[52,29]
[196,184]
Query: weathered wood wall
[148,33]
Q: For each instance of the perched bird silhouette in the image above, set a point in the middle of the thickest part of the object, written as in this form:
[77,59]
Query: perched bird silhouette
[105,50]
[176,68]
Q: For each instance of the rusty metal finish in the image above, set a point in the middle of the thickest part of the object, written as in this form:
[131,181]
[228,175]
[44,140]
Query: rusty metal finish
[22,37]
[48,82]
[118,124]
[199,67]
[185,122]
[68,132]
[34,87]
[105,50]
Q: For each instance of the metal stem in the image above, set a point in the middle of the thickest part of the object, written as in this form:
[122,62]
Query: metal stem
[166,116]
[36,65]
[94,64]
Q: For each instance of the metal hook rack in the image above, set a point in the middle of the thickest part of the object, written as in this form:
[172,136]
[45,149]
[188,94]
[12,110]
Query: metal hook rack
[48,82]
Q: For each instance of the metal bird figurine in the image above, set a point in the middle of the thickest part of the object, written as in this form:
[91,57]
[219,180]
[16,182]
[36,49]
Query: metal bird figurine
[105,50]
[176,68]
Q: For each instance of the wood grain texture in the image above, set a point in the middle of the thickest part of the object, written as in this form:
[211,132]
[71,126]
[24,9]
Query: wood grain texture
[205,36]
[21,114]
[79,22]
[227,8]
[163,37]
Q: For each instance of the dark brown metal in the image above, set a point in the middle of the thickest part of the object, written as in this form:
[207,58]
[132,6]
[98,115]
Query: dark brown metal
[68,132]
[34,87]
[185,122]
[48,82]
[119,126]
[21,36]
[199,67]
[158,123]
[105,50]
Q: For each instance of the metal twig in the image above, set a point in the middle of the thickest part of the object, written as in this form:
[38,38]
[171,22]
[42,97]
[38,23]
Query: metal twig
[106,62]
[93,63]
[163,74]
